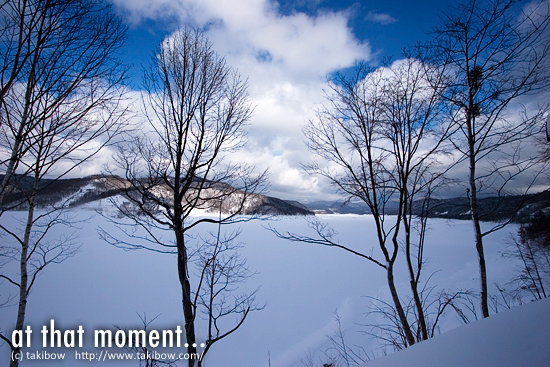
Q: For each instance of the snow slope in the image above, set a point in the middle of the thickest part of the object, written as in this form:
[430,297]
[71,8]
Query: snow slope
[302,284]
[512,338]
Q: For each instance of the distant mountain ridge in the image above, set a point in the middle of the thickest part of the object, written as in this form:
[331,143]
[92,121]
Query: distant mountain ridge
[491,208]
[76,192]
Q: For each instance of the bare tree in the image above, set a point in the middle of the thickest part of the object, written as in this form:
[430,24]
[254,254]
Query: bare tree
[60,67]
[346,354]
[380,131]
[17,21]
[222,270]
[413,114]
[146,358]
[494,55]
[65,107]
[199,108]
[532,247]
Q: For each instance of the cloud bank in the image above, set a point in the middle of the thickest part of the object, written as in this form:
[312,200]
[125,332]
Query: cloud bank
[286,59]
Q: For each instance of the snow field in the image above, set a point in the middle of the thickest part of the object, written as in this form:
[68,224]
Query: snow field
[302,285]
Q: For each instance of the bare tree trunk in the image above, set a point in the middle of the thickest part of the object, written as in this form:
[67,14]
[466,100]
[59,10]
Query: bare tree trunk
[398,307]
[200,105]
[478,238]
[471,111]
[495,52]
[389,269]
[188,309]
[60,107]
[23,282]
[414,282]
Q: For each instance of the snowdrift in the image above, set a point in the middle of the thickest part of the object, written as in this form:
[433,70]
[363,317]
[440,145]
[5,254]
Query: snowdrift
[511,338]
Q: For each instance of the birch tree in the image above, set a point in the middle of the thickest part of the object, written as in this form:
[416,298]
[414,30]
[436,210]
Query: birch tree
[198,107]
[496,54]
[65,107]
[379,138]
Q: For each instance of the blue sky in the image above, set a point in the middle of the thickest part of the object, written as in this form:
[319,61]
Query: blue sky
[386,26]
[286,49]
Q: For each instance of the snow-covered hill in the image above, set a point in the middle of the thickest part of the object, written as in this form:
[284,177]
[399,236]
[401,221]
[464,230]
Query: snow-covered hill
[95,192]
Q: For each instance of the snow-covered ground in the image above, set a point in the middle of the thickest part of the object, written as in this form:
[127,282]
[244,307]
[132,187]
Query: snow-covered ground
[302,284]
[516,337]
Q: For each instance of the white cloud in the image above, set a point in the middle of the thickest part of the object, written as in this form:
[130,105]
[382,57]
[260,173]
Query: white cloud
[381,18]
[286,59]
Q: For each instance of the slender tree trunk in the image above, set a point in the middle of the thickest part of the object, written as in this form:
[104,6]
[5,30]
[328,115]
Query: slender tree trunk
[187,302]
[414,283]
[471,111]
[475,214]
[188,309]
[23,283]
[390,260]
[479,249]
[412,277]
[398,308]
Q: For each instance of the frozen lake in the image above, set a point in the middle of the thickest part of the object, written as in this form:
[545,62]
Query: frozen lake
[302,285]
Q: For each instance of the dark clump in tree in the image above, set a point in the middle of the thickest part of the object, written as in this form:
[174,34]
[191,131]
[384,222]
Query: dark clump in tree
[495,53]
